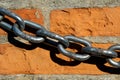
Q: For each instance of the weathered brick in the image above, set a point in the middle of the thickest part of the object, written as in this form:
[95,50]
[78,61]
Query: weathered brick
[34,15]
[14,60]
[86,21]
[43,60]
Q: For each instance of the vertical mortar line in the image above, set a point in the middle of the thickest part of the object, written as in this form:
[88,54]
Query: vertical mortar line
[46,15]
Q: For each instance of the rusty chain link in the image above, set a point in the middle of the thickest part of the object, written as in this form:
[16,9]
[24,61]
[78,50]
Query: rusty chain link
[60,42]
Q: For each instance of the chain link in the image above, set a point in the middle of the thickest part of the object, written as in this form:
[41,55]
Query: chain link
[98,52]
[30,38]
[13,16]
[110,61]
[60,42]
[52,35]
[1,17]
[80,57]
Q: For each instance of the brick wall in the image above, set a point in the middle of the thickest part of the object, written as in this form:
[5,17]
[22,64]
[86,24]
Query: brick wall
[94,20]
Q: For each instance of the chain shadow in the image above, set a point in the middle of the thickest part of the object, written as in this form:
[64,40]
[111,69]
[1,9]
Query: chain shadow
[15,42]
[109,69]
[11,38]
[53,51]
[53,54]
[99,62]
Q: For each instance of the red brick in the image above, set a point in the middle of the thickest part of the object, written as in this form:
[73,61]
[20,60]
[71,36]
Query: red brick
[86,21]
[92,22]
[14,60]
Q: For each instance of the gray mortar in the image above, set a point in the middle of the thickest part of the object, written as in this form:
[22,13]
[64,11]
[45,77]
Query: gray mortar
[104,39]
[97,39]
[47,5]
[59,77]
[57,4]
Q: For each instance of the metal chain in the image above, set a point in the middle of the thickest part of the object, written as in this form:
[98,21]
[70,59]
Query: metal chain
[60,42]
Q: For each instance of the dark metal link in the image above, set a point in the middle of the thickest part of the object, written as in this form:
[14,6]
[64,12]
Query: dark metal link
[33,25]
[14,16]
[1,17]
[55,40]
[52,35]
[79,57]
[5,26]
[26,36]
[110,61]
[98,52]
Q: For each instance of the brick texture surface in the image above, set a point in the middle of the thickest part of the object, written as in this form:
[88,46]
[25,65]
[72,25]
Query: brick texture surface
[86,21]
[16,57]
[40,60]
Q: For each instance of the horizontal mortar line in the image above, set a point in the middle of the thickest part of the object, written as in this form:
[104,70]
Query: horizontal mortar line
[96,39]
[103,39]
[4,39]
[59,3]
[60,77]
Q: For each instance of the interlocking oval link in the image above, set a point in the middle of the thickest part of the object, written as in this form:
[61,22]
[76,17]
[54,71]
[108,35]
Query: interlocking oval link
[110,60]
[5,26]
[14,16]
[80,57]
[30,38]
[55,40]
[99,52]
[52,35]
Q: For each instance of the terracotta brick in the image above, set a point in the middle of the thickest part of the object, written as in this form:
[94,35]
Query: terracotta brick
[34,15]
[86,21]
[44,60]
[15,60]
